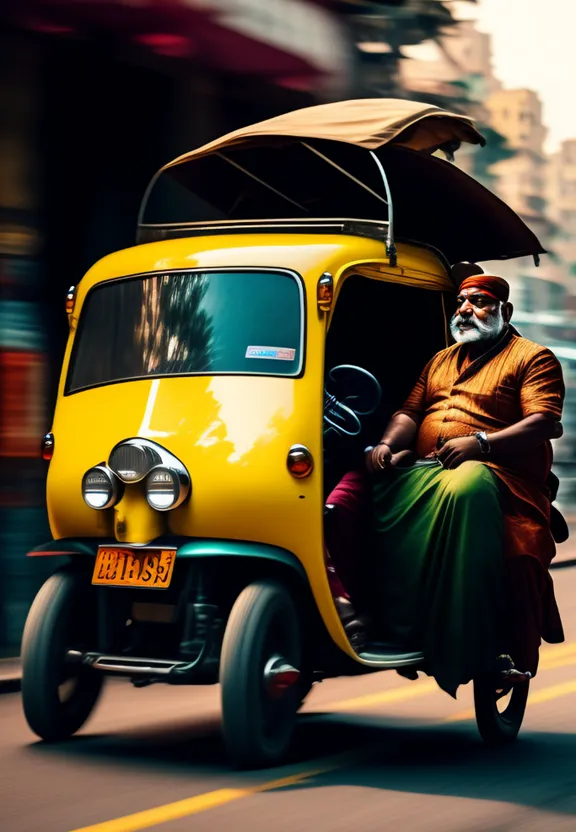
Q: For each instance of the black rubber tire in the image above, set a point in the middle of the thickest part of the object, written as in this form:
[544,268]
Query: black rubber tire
[263,621]
[499,727]
[55,618]
[304,689]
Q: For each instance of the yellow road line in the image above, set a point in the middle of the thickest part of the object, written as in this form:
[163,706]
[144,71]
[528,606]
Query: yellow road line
[219,797]
[552,665]
[552,692]
[536,698]
[410,690]
[556,656]
[555,651]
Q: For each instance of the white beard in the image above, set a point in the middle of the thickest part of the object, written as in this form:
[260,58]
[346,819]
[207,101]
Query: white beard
[479,330]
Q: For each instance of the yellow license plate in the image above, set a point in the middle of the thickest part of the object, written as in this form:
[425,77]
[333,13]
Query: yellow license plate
[150,568]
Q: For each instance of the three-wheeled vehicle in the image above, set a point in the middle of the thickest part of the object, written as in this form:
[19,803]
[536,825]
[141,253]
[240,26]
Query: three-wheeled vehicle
[209,375]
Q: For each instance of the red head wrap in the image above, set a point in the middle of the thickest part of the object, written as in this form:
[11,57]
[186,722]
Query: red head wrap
[490,284]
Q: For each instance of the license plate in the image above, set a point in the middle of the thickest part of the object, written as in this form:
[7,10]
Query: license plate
[126,567]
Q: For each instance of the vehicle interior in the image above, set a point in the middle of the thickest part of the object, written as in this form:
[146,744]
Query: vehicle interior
[390,331]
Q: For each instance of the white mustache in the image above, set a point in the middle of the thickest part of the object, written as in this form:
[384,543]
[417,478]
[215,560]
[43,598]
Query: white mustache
[477,330]
[458,319]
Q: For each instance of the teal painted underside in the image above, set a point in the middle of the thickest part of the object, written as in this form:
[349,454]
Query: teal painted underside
[184,549]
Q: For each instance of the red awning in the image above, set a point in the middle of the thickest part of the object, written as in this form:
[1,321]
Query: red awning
[200,30]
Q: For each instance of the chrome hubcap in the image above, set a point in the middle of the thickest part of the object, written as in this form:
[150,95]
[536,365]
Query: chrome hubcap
[279,676]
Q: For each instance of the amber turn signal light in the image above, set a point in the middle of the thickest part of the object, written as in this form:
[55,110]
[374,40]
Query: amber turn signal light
[48,447]
[325,292]
[70,300]
[300,461]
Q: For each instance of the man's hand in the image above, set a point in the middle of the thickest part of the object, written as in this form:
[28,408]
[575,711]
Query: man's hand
[381,458]
[378,459]
[456,451]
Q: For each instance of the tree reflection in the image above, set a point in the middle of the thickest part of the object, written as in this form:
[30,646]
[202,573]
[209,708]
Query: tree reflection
[174,333]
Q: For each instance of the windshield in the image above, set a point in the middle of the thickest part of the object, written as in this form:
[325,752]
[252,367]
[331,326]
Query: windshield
[189,323]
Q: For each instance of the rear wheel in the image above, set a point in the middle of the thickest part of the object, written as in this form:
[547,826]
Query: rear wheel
[499,718]
[259,678]
[58,697]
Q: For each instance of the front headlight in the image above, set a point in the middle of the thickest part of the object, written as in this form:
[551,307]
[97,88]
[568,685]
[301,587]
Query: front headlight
[166,488]
[100,487]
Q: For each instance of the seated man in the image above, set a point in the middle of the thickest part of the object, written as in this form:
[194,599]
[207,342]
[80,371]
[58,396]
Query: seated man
[465,544]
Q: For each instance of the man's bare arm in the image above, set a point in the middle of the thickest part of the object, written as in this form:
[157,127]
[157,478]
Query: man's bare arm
[400,432]
[524,435]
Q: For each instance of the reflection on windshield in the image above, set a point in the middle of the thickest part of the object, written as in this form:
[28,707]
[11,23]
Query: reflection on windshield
[169,341]
[188,323]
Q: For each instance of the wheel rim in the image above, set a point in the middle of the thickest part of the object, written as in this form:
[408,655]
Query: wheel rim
[67,688]
[503,701]
[279,655]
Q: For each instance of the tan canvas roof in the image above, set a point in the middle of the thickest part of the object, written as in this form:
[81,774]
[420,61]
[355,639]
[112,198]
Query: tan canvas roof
[366,122]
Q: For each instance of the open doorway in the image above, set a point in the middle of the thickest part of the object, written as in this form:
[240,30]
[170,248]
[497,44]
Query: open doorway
[389,332]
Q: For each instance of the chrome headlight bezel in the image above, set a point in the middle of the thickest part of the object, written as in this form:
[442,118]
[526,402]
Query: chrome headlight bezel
[176,481]
[111,486]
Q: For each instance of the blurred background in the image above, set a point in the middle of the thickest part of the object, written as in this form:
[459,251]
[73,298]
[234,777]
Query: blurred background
[96,94]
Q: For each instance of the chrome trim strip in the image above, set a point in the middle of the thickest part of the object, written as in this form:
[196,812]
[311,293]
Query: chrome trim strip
[265,223]
[125,664]
[391,661]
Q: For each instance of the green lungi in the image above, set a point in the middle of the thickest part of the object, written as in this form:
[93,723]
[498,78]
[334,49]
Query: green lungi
[438,537]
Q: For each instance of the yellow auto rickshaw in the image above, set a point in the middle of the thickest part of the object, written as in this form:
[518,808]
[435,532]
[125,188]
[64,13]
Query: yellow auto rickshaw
[210,373]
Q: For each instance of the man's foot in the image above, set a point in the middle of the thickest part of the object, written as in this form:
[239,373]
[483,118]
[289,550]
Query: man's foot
[508,675]
[354,624]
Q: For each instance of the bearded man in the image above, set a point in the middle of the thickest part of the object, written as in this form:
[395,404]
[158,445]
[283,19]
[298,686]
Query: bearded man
[466,543]
[463,541]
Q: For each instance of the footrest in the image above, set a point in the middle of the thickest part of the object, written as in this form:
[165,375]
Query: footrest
[389,656]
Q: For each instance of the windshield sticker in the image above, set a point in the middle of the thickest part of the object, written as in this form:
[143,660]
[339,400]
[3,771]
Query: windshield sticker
[277,353]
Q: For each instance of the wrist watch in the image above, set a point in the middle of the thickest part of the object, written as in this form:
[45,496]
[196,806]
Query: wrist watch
[482,438]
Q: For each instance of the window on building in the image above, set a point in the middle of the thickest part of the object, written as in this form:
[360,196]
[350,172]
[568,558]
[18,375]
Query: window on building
[556,297]
[525,298]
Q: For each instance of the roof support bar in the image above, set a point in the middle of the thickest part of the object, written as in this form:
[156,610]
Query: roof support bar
[144,202]
[390,244]
[345,172]
[261,182]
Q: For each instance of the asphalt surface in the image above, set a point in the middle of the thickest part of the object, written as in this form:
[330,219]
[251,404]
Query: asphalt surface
[371,753]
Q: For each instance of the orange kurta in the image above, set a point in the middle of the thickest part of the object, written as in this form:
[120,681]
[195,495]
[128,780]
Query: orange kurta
[456,397]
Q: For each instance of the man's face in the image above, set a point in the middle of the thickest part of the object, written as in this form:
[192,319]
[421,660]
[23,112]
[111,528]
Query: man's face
[478,317]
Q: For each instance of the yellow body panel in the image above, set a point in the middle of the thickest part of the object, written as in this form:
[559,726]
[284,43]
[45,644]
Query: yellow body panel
[232,433]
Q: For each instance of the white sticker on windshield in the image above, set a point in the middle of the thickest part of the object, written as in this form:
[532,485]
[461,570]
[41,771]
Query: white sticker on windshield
[277,353]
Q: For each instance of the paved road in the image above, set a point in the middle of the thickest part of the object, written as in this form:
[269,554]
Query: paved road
[371,753]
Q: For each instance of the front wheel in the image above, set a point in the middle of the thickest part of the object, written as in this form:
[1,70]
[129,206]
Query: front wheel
[57,697]
[499,719]
[261,646]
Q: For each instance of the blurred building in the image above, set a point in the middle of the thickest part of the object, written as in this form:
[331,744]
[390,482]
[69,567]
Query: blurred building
[456,71]
[533,186]
[561,199]
[517,115]
[383,30]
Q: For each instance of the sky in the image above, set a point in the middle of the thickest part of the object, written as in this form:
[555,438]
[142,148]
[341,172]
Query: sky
[534,46]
